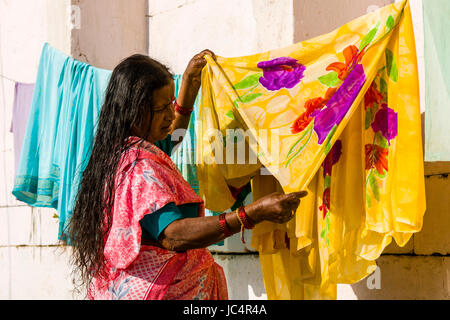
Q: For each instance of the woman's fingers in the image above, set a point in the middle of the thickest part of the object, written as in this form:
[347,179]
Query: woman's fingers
[297,194]
[290,203]
[199,59]
[207,51]
[292,200]
[197,63]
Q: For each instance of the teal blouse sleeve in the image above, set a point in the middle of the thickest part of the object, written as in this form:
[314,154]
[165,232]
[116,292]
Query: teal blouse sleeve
[153,224]
[166,145]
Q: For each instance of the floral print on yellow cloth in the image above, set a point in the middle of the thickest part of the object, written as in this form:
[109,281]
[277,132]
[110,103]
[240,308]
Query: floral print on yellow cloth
[337,115]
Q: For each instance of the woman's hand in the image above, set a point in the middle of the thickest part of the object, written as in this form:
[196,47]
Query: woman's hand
[193,71]
[275,207]
[193,233]
[189,89]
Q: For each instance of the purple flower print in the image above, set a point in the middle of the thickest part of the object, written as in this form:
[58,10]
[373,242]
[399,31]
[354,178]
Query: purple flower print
[386,122]
[340,103]
[284,72]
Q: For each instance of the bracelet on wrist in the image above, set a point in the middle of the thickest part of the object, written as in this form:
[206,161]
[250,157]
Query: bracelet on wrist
[242,226]
[181,110]
[245,220]
[223,225]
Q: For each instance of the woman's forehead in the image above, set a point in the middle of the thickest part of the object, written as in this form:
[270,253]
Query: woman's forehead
[165,93]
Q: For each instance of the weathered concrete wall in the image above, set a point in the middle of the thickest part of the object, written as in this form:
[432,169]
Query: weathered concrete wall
[403,277]
[181,28]
[110,30]
[313,18]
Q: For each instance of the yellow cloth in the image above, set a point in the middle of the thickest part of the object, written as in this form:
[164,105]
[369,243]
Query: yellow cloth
[337,115]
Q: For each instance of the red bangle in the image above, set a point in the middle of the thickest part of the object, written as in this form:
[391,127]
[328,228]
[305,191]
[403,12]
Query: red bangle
[244,218]
[223,225]
[181,110]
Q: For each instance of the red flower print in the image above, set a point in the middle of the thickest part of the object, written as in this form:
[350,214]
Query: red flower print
[325,203]
[311,105]
[372,96]
[301,123]
[352,57]
[376,156]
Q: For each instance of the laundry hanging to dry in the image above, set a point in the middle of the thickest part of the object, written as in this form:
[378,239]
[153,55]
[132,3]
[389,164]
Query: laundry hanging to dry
[337,115]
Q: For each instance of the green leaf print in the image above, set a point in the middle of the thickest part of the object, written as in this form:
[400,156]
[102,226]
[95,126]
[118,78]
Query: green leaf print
[250,97]
[390,23]
[230,114]
[327,181]
[373,183]
[369,37]
[322,234]
[248,81]
[381,176]
[369,118]
[307,134]
[383,88]
[330,80]
[368,199]
[391,65]
[381,141]
[328,139]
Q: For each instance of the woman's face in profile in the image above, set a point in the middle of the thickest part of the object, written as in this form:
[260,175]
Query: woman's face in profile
[164,113]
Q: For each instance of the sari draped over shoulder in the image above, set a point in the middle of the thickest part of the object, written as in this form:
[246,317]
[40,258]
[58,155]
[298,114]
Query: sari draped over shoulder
[146,181]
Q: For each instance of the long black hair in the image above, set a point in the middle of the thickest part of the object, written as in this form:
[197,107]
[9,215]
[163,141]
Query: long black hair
[128,100]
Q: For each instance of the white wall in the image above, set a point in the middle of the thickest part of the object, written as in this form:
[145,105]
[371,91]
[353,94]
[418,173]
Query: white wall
[178,29]
[29,269]
[109,30]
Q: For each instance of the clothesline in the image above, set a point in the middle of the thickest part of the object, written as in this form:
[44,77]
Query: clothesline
[55,100]
[8,78]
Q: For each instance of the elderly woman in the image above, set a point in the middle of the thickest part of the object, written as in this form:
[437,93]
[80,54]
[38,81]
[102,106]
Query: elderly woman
[138,229]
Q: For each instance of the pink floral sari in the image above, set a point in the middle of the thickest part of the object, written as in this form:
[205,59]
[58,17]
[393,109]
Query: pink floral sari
[146,181]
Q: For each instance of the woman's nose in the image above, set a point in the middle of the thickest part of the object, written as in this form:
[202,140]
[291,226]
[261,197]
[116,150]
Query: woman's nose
[171,112]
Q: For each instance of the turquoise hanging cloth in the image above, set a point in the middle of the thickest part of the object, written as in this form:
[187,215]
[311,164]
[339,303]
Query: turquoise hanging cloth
[184,153]
[66,103]
[37,179]
[82,101]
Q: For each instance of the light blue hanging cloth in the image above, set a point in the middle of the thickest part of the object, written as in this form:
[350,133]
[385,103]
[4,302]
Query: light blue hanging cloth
[66,103]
